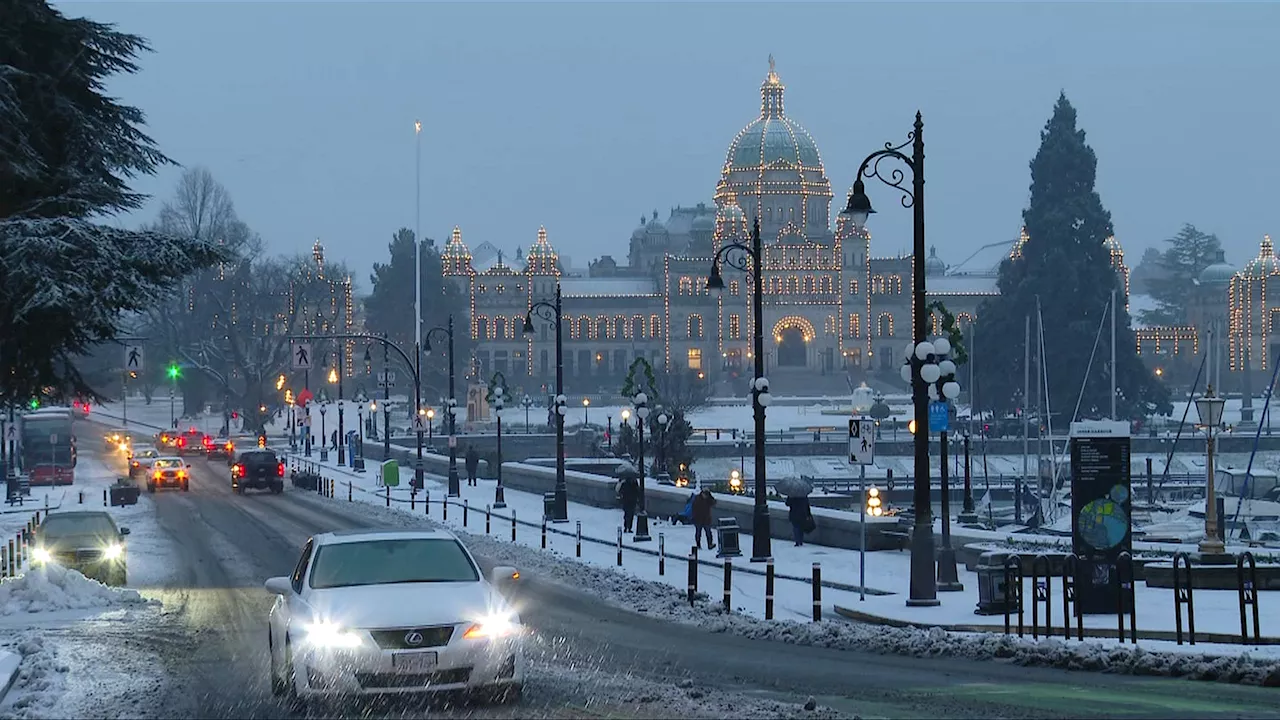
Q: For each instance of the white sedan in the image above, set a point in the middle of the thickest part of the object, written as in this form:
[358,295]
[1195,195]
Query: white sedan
[379,612]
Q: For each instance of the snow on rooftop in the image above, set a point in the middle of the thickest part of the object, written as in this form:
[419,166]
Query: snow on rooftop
[607,287]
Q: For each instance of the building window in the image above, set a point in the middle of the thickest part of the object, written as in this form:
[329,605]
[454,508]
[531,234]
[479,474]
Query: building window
[695,327]
[686,286]
[735,328]
[884,325]
[542,362]
[637,327]
[695,358]
[584,327]
[853,287]
[655,326]
[602,328]
[895,284]
[500,327]
[620,327]
[482,327]
[733,287]
[855,325]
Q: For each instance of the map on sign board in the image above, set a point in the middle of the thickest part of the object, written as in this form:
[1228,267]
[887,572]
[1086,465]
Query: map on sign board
[862,441]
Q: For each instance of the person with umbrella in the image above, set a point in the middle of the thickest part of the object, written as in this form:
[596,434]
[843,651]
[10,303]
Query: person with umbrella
[798,511]
[473,464]
[628,493]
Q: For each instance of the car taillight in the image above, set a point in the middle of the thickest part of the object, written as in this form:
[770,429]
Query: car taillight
[237,470]
[181,442]
[158,475]
[182,474]
[231,446]
[208,442]
[280,469]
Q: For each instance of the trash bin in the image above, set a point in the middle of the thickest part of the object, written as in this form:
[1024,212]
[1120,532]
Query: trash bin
[548,506]
[123,493]
[727,530]
[992,598]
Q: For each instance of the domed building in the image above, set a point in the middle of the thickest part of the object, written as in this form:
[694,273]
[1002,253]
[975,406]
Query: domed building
[829,306]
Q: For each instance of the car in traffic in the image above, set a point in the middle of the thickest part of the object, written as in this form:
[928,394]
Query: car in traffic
[140,459]
[222,447]
[89,542]
[392,612]
[169,472]
[192,442]
[117,440]
[260,469]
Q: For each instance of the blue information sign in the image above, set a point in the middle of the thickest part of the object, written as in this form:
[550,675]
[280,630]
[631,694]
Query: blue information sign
[939,417]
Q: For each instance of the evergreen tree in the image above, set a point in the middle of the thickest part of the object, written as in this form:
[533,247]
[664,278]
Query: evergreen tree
[389,309]
[1065,266]
[67,151]
[1188,254]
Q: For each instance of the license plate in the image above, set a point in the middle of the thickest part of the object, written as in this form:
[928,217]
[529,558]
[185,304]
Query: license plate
[413,662]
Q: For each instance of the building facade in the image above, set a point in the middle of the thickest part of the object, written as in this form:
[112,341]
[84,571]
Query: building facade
[832,308]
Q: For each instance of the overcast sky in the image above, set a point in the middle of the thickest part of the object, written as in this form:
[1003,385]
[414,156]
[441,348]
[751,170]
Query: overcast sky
[583,116]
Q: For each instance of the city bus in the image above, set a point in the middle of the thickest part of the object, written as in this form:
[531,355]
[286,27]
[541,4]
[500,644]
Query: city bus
[48,446]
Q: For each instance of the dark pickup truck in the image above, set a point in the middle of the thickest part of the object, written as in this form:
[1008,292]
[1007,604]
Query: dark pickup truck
[260,469]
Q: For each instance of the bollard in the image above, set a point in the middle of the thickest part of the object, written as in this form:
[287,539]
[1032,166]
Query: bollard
[1183,596]
[1013,590]
[466,511]
[104,498]
[578,551]
[693,577]
[817,592]
[768,589]
[1247,590]
[619,546]
[426,502]
[662,555]
[444,508]
[728,584]
[488,512]
[12,568]
[21,541]
[349,492]
[544,532]
[413,500]
[1041,591]
[513,525]
[388,494]
[4,563]
[81,497]
[1124,581]
[1070,568]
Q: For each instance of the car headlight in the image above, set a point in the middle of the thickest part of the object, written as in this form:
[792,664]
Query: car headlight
[41,556]
[329,635]
[124,447]
[493,625]
[113,551]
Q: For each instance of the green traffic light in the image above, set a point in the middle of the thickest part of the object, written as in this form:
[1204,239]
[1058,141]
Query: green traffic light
[35,404]
[173,372]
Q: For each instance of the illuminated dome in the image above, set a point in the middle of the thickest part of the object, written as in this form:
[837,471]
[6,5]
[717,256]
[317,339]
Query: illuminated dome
[773,169]
[1263,265]
[456,258]
[1218,274]
[542,258]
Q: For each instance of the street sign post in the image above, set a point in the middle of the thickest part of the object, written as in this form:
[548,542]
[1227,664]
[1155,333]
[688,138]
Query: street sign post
[387,378]
[301,354]
[862,441]
[939,416]
[419,423]
[135,358]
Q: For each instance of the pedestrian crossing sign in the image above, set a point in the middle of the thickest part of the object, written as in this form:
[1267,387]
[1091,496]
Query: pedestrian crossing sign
[862,441]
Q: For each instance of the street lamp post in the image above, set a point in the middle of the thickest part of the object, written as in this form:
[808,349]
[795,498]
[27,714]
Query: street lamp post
[586,405]
[1212,550]
[527,402]
[553,313]
[497,399]
[924,589]
[324,441]
[641,402]
[451,408]
[608,433]
[431,428]
[662,420]
[748,259]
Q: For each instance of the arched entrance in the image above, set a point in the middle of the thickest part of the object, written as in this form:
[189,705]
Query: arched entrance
[793,335]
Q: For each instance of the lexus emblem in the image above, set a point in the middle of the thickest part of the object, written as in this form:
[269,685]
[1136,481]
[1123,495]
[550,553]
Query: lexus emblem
[413,637]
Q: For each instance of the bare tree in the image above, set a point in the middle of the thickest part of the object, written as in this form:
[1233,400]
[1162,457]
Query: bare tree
[683,391]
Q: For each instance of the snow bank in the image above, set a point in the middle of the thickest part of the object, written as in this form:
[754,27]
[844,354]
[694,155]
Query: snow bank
[51,588]
[41,679]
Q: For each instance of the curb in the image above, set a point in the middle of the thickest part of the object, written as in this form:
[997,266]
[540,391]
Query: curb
[1054,632]
[9,664]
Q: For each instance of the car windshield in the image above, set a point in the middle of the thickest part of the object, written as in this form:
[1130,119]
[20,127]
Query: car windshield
[384,562]
[61,525]
[167,463]
[146,454]
[261,457]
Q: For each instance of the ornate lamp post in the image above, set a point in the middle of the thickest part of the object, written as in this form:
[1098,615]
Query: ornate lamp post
[662,420]
[455,489]
[497,398]
[431,427]
[586,406]
[527,402]
[748,259]
[641,402]
[324,441]
[1212,550]
[924,589]
[552,312]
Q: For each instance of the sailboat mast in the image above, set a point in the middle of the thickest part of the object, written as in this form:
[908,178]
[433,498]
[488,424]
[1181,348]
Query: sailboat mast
[1026,441]
[1113,355]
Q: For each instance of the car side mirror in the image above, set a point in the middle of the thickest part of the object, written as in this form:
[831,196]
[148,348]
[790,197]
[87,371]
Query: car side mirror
[279,585]
[503,576]
[124,531]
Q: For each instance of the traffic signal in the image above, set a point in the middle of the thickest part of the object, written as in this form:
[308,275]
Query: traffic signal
[174,372]
[235,415]
[35,403]
[874,508]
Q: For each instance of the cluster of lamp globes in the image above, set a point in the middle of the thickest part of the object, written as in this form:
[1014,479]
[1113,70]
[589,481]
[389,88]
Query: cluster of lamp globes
[561,405]
[936,370]
[641,401]
[762,392]
[498,398]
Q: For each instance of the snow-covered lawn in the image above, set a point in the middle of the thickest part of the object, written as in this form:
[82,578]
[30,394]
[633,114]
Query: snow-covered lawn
[638,586]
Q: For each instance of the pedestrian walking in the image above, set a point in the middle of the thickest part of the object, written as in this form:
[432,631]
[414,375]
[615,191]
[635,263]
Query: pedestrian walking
[801,517]
[333,441]
[473,465]
[629,493]
[702,504]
